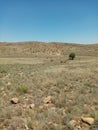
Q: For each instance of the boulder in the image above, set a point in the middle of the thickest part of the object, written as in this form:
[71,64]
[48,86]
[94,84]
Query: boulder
[88,120]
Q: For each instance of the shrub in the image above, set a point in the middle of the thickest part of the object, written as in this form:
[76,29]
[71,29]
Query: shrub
[22,89]
[72,56]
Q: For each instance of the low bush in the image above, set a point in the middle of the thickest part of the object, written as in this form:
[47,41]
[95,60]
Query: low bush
[71,56]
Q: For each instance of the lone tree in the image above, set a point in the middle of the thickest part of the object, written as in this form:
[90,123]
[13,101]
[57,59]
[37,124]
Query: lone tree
[71,56]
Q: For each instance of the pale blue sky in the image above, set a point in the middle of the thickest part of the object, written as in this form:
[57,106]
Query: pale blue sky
[49,20]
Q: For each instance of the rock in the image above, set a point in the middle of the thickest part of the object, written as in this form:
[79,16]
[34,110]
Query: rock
[73,123]
[2,89]
[14,100]
[48,105]
[53,109]
[88,120]
[47,100]
[24,106]
[9,83]
[78,128]
[32,106]
[55,124]
[26,127]
[41,107]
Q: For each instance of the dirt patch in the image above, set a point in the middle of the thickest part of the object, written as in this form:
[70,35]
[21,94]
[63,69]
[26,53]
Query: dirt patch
[21,61]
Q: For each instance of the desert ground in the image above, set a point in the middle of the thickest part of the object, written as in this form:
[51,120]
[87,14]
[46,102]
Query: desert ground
[41,89]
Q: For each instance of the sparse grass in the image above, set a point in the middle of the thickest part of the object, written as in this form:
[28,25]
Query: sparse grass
[73,87]
[95,125]
[22,89]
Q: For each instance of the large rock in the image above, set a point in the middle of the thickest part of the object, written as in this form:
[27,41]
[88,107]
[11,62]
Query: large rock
[14,100]
[88,120]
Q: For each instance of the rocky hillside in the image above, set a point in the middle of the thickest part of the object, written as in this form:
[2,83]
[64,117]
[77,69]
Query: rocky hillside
[40,48]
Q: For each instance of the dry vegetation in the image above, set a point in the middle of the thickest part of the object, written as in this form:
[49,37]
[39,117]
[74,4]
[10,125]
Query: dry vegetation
[52,92]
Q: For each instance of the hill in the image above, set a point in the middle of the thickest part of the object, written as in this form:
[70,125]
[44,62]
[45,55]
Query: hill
[40,48]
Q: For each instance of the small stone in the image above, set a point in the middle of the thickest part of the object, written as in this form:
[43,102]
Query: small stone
[78,127]
[53,109]
[46,105]
[73,123]
[88,120]
[47,100]
[14,100]
[32,106]
[26,127]
[9,83]
[24,106]
[41,107]
[4,94]
[2,89]
[55,124]
[50,123]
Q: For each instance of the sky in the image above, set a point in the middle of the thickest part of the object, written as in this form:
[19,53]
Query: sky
[73,21]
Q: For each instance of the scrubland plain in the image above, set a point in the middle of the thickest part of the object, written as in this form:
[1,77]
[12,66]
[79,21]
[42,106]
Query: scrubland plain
[41,89]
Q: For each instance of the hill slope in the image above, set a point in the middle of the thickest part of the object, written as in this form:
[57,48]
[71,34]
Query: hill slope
[39,48]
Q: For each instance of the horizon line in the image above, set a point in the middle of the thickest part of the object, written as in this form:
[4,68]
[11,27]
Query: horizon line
[48,42]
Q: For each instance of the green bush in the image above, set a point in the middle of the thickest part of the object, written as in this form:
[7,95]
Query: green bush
[22,89]
[71,56]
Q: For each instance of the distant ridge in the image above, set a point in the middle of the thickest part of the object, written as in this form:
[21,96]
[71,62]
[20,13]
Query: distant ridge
[31,48]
